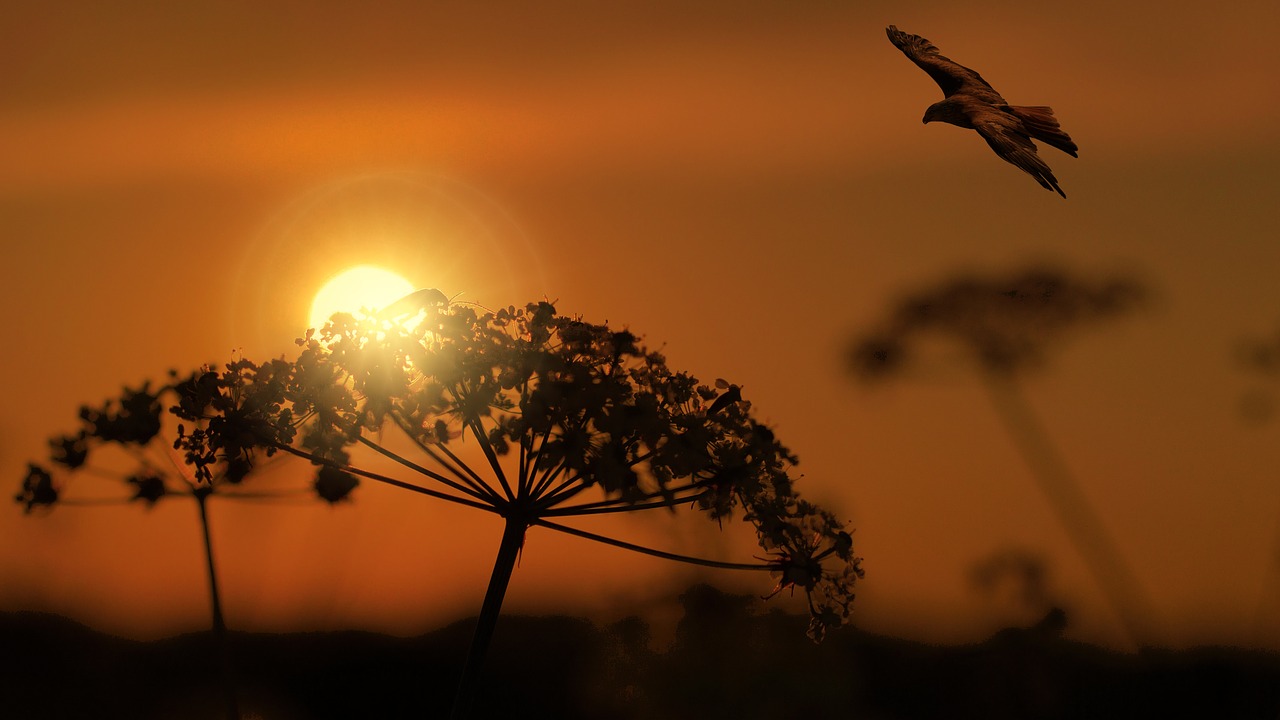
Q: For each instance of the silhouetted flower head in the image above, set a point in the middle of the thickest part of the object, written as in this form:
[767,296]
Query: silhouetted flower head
[334,485]
[821,564]
[70,451]
[577,405]
[148,488]
[236,413]
[228,418]
[1006,324]
[37,488]
[133,419]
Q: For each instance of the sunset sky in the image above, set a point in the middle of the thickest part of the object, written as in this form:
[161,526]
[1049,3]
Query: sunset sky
[747,185]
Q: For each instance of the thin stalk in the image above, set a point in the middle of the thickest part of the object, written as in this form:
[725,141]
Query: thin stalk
[460,470]
[524,479]
[465,468]
[610,502]
[560,493]
[423,471]
[99,472]
[535,451]
[640,458]
[548,479]
[508,552]
[219,625]
[522,469]
[384,479]
[595,509]
[1084,527]
[650,551]
[483,440]
[88,502]
[263,494]
[548,476]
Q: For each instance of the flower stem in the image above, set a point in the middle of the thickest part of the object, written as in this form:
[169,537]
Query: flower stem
[219,625]
[1084,527]
[508,551]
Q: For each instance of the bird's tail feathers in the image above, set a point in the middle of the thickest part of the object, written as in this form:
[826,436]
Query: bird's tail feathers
[1043,126]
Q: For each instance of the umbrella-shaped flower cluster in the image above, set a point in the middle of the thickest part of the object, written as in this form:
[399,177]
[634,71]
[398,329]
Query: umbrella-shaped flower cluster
[569,417]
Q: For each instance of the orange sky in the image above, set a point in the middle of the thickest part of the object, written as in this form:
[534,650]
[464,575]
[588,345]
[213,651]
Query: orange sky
[745,184]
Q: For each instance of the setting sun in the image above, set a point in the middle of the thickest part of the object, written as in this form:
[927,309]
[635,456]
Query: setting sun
[361,287]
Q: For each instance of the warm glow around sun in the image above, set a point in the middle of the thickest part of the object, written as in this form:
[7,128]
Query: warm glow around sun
[361,287]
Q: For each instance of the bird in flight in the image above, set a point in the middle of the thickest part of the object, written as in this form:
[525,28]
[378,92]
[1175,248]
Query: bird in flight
[972,103]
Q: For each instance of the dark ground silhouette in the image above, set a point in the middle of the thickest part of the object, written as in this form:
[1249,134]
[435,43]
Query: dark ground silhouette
[728,659]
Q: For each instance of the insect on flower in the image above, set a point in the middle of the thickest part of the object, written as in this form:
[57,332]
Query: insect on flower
[732,394]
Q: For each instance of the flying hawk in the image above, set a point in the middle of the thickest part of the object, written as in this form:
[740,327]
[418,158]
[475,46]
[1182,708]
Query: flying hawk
[971,103]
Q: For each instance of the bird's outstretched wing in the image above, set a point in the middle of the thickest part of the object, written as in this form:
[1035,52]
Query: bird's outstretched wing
[950,75]
[1017,149]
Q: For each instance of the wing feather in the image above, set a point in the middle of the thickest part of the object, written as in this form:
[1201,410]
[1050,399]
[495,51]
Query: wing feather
[950,75]
[1017,149]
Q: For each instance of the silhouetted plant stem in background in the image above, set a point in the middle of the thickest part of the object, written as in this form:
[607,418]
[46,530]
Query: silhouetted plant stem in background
[219,624]
[508,552]
[194,435]
[1084,528]
[1008,325]
[1260,356]
[1269,602]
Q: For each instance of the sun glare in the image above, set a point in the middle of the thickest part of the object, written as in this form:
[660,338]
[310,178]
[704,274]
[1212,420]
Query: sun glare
[363,287]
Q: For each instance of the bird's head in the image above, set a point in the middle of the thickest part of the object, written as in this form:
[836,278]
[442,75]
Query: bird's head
[947,111]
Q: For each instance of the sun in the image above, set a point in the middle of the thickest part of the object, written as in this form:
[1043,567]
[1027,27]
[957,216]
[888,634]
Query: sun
[362,287]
